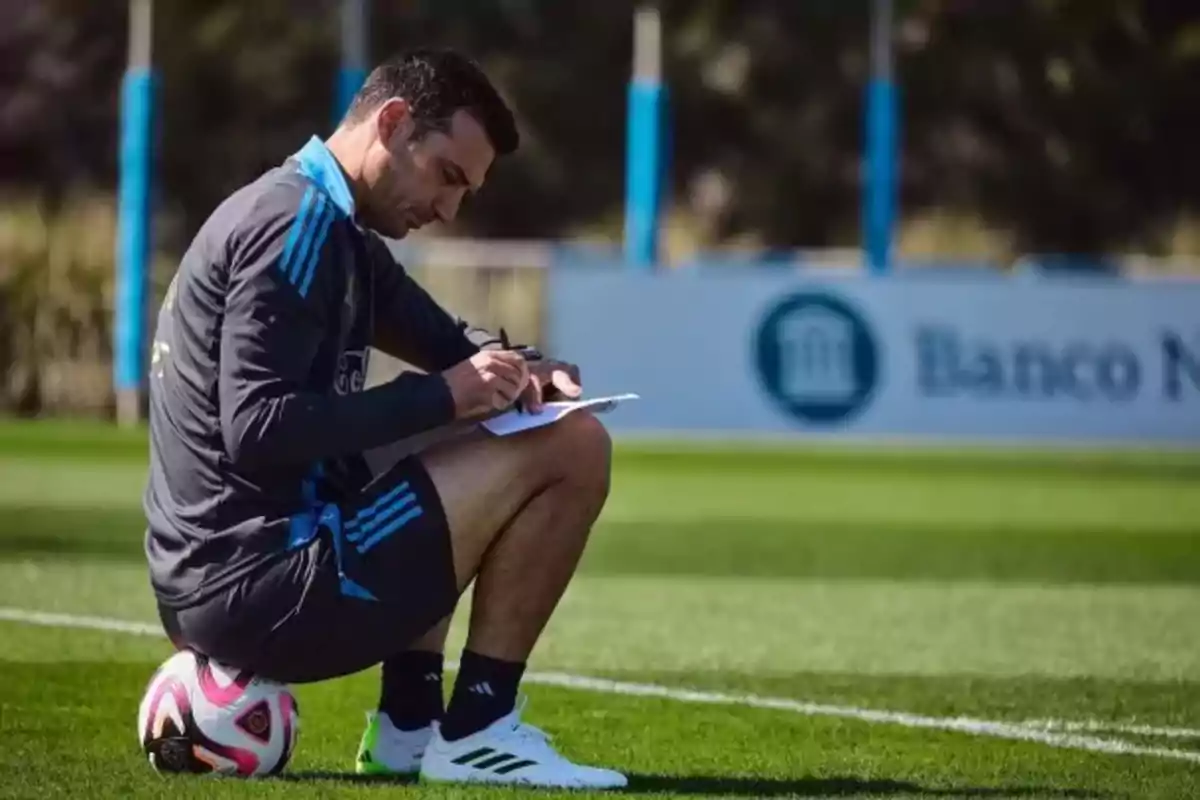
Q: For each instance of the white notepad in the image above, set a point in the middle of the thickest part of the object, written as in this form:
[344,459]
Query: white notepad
[516,421]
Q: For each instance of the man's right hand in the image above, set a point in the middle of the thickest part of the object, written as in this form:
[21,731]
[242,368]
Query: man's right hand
[487,382]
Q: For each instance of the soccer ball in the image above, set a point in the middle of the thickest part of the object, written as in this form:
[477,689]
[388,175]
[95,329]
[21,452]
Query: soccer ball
[199,716]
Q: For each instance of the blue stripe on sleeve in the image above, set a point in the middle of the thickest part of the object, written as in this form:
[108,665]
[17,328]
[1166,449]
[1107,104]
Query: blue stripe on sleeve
[297,226]
[310,229]
[315,257]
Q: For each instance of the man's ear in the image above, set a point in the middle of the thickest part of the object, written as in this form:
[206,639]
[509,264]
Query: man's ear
[394,123]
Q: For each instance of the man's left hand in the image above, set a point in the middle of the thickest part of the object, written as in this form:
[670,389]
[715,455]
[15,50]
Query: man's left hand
[548,379]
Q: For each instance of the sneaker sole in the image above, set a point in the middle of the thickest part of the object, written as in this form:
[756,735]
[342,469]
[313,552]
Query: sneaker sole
[375,769]
[490,779]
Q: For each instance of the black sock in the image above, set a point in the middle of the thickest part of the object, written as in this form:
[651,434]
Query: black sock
[412,689]
[485,691]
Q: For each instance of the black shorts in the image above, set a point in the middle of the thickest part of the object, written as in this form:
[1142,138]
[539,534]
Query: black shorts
[302,619]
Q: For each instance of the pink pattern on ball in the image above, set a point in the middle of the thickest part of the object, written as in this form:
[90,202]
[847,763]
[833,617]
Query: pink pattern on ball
[246,761]
[177,690]
[287,707]
[216,694]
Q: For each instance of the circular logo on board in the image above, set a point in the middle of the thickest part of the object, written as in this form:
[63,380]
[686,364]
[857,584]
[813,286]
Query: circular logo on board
[817,358]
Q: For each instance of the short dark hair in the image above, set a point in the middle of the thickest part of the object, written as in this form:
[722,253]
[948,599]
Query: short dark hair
[436,83]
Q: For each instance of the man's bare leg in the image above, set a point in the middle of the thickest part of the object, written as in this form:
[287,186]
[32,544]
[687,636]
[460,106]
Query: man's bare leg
[526,570]
[433,640]
[520,510]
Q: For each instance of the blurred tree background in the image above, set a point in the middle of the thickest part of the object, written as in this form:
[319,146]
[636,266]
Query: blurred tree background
[1066,124]
[1062,126]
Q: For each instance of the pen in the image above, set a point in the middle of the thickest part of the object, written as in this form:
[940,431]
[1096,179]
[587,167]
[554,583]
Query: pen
[528,353]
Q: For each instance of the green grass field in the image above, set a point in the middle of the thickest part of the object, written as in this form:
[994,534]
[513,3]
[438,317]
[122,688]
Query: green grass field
[1030,621]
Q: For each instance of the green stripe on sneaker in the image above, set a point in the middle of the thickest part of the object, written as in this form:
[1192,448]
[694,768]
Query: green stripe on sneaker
[471,756]
[369,766]
[364,762]
[513,767]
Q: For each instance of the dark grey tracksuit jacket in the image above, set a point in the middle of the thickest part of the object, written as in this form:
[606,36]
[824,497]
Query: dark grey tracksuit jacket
[257,370]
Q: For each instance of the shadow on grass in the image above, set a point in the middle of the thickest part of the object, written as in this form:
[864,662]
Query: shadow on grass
[90,532]
[839,786]
[345,777]
[708,785]
[755,548]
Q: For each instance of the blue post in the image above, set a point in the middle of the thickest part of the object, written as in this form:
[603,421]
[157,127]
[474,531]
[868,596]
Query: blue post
[643,170]
[879,202]
[354,46]
[349,81]
[133,237]
[882,137]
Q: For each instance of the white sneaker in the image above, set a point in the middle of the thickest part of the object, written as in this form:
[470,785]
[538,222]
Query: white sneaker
[387,750]
[510,752]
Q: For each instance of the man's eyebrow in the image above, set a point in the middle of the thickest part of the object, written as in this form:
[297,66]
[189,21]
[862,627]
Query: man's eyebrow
[458,175]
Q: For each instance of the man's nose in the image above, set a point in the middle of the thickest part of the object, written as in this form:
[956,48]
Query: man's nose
[446,208]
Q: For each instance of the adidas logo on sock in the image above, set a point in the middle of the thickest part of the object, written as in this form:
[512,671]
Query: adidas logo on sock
[483,687]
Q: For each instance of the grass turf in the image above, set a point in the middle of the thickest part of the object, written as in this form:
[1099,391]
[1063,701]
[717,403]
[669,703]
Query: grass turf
[1008,586]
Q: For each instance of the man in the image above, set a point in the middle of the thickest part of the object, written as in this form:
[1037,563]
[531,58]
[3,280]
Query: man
[272,546]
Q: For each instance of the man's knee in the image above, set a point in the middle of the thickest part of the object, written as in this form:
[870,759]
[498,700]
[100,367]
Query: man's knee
[580,451]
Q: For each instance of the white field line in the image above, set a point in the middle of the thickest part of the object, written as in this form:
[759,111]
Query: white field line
[1100,726]
[977,727]
[50,620]
[1054,733]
